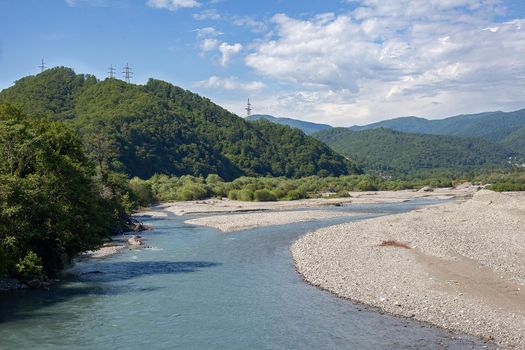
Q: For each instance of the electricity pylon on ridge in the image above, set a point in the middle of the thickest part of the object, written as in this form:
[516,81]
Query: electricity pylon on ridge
[42,66]
[111,71]
[248,108]
[128,73]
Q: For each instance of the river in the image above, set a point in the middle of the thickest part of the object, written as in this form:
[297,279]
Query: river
[197,288]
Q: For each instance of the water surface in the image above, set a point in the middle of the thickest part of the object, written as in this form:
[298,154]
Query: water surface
[197,288]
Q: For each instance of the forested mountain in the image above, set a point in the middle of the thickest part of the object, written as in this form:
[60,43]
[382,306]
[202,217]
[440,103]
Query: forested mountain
[501,127]
[307,127]
[160,128]
[415,155]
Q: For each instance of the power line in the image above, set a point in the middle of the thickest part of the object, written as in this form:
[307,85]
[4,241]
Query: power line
[128,73]
[248,108]
[111,71]
[42,66]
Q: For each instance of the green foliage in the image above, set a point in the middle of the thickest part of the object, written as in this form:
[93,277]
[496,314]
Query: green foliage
[193,191]
[160,128]
[272,188]
[51,205]
[503,182]
[307,127]
[141,190]
[245,195]
[264,196]
[411,156]
[505,128]
[29,267]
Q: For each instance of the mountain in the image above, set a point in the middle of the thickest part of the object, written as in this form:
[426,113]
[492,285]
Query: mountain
[307,127]
[160,128]
[501,127]
[415,155]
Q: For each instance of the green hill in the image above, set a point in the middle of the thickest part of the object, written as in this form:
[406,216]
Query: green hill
[492,126]
[307,127]
[161,128]
[415,155]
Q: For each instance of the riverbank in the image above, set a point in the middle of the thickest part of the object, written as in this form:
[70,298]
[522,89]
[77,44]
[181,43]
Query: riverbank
[458,265]
[224,206]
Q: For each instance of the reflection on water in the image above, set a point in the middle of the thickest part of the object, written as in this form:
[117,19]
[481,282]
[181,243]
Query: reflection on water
[207,290]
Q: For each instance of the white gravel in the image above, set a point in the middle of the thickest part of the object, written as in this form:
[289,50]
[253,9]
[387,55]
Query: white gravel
[465,269]
[238,222]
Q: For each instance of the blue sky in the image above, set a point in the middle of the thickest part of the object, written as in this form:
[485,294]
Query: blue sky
[341,62]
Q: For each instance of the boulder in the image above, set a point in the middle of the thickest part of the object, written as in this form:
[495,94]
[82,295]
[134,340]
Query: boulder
[135,240]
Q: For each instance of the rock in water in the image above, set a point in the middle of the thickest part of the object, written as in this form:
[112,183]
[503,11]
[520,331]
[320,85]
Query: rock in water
[135,240]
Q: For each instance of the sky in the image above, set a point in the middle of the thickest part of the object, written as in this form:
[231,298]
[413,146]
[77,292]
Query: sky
[341,62]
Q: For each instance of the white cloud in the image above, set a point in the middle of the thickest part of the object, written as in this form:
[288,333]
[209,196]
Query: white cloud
[210,14]
[231,83]
[207,32]
[209,44]
[172,5]
[246,21]
[386,58]
[228,51]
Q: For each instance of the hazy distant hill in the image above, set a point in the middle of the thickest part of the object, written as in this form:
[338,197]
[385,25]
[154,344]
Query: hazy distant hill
[160,128]
[307,127]
[506,128]
[412,155]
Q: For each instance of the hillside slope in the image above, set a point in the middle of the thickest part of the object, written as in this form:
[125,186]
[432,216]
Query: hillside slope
[307,127]
[492,126]
[413,155]
[161,128]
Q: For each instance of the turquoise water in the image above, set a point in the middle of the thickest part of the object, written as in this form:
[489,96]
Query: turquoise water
[196,288]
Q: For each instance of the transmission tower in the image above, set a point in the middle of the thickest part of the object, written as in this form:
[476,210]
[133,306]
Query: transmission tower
[127,72]
[248,108]
[42,66]
[111,71]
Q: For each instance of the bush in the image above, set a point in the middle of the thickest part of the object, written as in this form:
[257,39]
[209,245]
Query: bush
[264,196]
[245,195]
[30,267]
[295,195]
[193,191]
[233,194]
[141,191]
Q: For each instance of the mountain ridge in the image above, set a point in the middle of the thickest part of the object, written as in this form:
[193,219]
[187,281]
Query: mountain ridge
[307,127]
[161,128]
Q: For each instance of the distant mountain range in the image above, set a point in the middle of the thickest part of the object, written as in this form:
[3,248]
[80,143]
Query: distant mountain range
[505,128]
[412,155]
[307,127]
[413,146]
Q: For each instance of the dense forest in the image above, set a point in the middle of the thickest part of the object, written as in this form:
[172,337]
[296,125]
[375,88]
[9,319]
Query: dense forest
[506,128]
[410,155]
[142,130]
[53,203]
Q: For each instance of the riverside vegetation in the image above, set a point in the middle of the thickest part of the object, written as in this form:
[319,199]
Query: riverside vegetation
[70,144]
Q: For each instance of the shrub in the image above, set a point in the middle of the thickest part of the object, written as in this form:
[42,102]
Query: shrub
[232,195]
[30,267]
[141,191]
[295,195]
[193,191]
[264,196]
[245,195]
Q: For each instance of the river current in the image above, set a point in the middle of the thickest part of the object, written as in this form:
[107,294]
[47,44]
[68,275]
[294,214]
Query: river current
[196,288]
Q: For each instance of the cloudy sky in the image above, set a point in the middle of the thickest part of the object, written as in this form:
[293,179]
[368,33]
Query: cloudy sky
[341,62]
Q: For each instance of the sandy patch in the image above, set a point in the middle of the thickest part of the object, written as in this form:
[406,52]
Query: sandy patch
[238,222]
